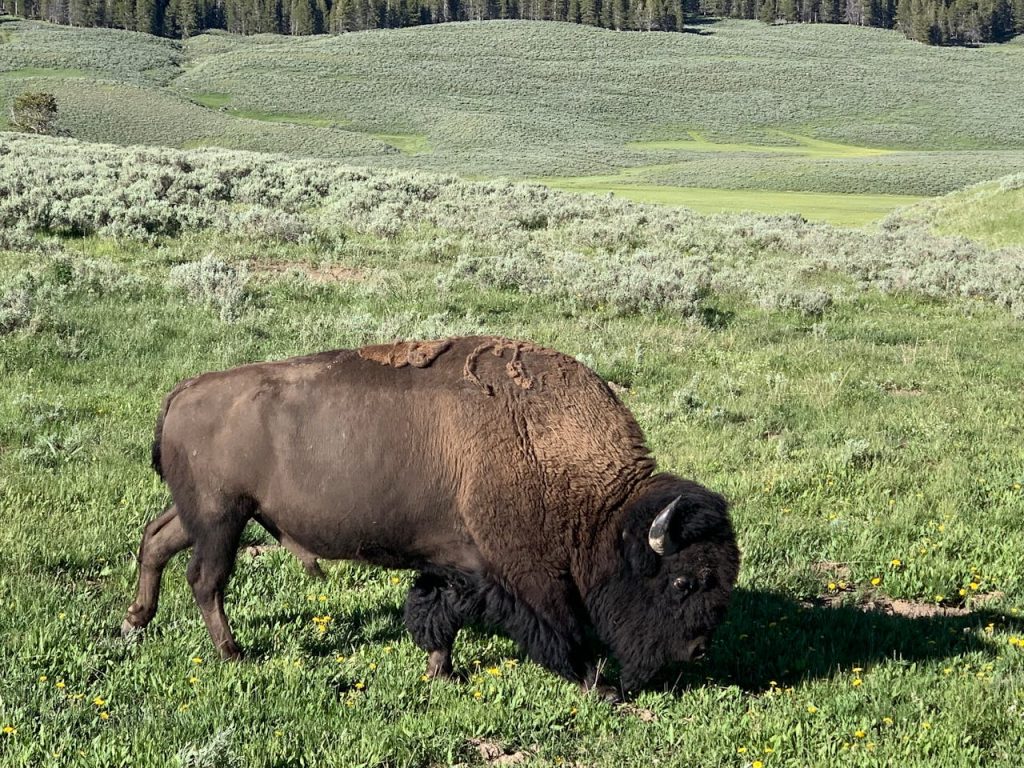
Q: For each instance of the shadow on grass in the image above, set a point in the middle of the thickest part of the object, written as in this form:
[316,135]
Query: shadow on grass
[770,637]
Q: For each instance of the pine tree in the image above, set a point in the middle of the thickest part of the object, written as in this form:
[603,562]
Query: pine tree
[766,12]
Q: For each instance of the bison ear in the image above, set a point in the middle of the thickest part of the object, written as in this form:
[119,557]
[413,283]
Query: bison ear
[638,553]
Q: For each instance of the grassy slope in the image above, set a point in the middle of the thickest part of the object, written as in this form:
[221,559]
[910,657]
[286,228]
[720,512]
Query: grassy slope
[886,429]
[992,212]
[775,109]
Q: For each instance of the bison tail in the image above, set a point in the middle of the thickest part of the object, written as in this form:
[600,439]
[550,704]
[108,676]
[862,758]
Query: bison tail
[156,452]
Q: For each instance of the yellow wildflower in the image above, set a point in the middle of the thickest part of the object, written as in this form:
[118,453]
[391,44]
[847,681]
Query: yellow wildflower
[974,586]
[396,580]
[896,562]
[859,734]
[926,725]
[193,680]
[477,695]
[10,730]
[360,685]
[60,684]
[43,678]
[373,665]
[98,701]
[757,764]
[811,708]
[494,671]
[741,751]
[887,720]
[876,581]
[104,715]
[856,682]
[197,659]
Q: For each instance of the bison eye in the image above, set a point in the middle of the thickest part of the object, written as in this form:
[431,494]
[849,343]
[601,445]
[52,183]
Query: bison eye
[685,585]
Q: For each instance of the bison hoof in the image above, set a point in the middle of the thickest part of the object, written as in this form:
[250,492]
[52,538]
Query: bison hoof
[439,666]
[130,632]
[602,692]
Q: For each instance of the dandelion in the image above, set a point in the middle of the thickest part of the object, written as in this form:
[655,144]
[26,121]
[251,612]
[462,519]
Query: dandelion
[104,715]
[896,563]
[860,734]
[10,730]
[98,701]
[831,586]
[425,678]
[757,764]
[193,680]
[926,725]
[887,720]
[963,592]
[373,665]
[857,682]
[43,678]
[396,580]
[477,695]
[494,671]
[60,684]
[974,586]
[811,708]
[876,581]
[197,659]
[741,751]
[388,649]
[990,628]
[360,685]
[278,734]
[339,658]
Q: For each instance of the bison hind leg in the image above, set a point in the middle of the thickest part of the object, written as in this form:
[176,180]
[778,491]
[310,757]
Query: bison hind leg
[216,539]
[163,538]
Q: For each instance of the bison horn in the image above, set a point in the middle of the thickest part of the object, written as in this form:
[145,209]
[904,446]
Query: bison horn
[658,537]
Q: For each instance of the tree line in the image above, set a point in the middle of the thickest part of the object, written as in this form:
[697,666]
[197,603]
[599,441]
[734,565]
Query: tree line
[183,18]
[940,22]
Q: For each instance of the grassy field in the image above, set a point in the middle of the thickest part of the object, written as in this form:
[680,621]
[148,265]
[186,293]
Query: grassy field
[855,394]
[755,109]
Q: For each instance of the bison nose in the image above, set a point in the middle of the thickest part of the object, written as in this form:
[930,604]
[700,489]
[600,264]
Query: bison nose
[697,649]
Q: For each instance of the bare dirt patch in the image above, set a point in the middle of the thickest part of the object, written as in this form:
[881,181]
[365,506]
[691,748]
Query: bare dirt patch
[906,608]
[494,754]
[832,569]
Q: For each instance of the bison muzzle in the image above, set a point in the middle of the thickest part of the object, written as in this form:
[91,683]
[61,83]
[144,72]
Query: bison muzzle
[509,476]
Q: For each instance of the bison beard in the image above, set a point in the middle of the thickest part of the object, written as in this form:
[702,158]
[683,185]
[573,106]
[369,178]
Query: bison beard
[508,475]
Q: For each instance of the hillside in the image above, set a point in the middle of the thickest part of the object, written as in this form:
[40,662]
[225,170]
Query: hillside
[991,212]
[741,106]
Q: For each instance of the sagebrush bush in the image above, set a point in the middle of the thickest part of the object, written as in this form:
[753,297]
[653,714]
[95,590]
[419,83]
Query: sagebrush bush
[583,252]
[215,284]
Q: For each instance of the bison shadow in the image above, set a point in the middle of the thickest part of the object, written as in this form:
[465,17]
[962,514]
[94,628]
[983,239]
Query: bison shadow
[770,639]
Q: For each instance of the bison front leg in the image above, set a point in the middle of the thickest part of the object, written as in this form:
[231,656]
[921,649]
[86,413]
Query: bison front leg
[213,558]
[433,618]
[163,538]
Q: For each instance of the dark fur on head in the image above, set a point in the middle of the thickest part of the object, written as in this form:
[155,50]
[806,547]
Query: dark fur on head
[640,611]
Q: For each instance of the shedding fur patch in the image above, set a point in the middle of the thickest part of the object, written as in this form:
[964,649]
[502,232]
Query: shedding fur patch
[418,354]
[514,367]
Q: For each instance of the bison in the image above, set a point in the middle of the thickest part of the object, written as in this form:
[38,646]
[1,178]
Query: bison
[509,476]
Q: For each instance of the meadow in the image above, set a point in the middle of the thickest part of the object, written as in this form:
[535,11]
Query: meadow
[855,393]
[755,110]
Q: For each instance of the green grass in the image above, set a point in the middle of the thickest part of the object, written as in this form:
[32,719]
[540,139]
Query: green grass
[992,212]
[843,210]
[40,72]
[803,146]
[407,143]
[874,438]
[744,107]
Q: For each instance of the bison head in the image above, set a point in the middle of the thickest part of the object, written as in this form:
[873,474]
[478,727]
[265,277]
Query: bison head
[677,562]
